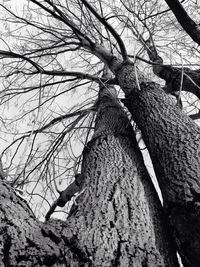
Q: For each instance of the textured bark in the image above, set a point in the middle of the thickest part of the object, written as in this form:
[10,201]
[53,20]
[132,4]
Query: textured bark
[23,240]
[116,221]
[119,218]
[173,141]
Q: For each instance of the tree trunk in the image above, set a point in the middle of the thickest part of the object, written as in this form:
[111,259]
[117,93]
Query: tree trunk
[116,221]
[173,141]
[120,218]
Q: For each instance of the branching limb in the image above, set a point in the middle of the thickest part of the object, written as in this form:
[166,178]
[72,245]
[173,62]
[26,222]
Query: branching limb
[154,57]
[79,113]
[67,194]
[186,79]
[56,13]
[110,28]
[10,54]
[84,41]
[79,75]
[39,69]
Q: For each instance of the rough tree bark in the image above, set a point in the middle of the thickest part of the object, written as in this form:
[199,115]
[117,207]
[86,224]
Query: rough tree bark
[120,218]
[116,221]
[173,141]
[23,241]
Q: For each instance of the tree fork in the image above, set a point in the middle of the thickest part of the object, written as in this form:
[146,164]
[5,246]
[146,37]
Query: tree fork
[177,79]
[116,221]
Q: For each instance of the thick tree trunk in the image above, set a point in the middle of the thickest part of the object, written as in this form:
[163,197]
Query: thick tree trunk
[116,221]
[120,218]
[173,141]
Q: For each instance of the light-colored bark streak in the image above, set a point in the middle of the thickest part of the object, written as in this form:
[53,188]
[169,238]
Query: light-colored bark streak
[119,218]
[173,141]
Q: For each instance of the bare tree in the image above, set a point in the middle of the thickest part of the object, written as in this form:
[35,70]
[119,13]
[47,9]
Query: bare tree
[55,50]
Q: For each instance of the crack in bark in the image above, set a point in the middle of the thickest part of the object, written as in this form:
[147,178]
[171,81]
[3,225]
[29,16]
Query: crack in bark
[56,239]
[6,249]
[118,250]
[118,254]
[112,192]
[112,225]
[144,263]
[129,209]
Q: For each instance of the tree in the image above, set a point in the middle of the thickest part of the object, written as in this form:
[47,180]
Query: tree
[99,228]
[115,221]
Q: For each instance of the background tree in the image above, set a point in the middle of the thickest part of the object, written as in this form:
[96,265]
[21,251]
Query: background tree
[45,37]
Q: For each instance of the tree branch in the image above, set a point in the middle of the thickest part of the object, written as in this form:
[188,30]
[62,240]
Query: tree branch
[58,14]
[110,28]
[159,13]
[67,194]
[10,54]
[172,75]
[189,25]
[79,75]
[39,69]
[195,116]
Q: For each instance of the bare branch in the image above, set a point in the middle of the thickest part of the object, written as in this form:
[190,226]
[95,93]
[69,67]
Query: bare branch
[10,54]
[110,28]
[50,124]
[58,14]
[160,13]
[188,24]
[195,116]
[67,194]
